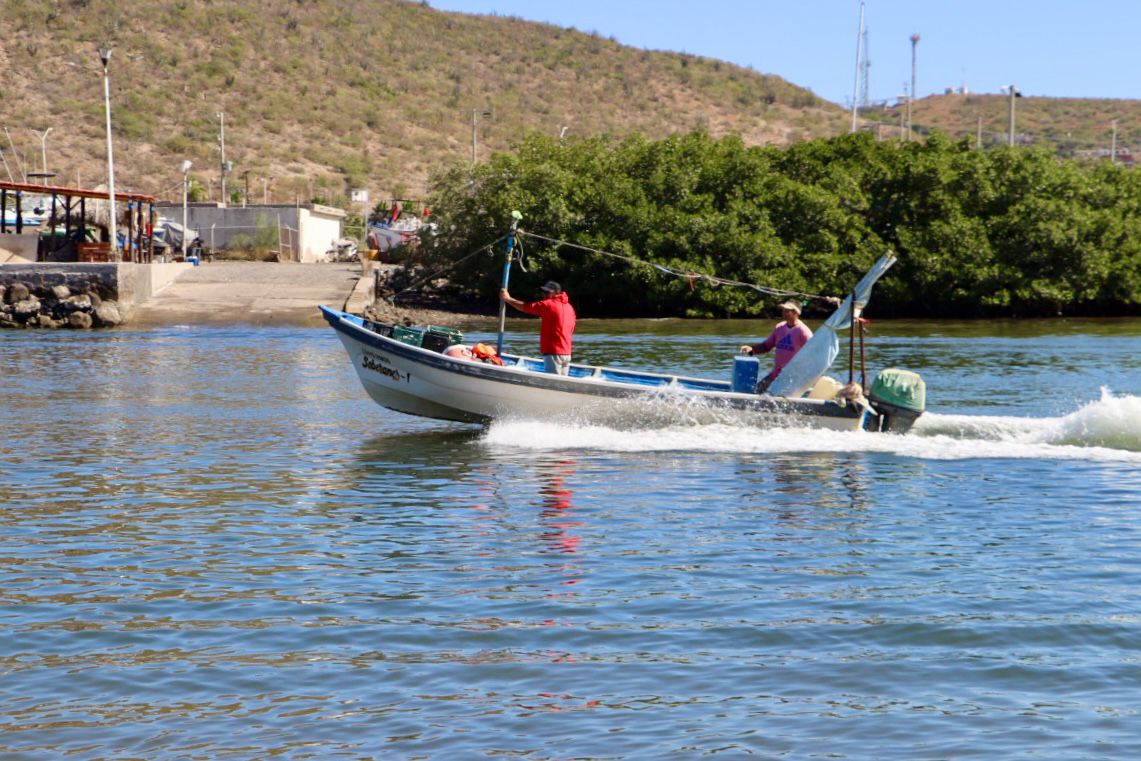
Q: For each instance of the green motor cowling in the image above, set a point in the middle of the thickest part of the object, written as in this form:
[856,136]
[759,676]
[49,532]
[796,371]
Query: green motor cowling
[900,397]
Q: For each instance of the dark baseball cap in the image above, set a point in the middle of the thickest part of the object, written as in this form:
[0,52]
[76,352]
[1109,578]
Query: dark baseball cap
[551,287]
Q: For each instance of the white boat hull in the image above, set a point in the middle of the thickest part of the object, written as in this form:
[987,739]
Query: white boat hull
[419,381]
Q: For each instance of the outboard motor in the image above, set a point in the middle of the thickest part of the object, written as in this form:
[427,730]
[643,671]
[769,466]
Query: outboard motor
[899,396]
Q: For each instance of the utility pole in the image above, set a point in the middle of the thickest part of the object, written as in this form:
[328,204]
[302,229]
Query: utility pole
[979,134]
[914,45]
[475,115]
[1113,144]
[222,146]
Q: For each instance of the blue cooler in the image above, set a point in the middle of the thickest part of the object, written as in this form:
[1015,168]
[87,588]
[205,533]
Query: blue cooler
[746,368]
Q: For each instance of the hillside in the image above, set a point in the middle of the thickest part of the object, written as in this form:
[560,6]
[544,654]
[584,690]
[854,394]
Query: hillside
[320,96]
[1065,124]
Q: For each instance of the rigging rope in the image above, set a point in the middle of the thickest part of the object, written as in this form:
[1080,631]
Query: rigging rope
[692,277]
[487,248]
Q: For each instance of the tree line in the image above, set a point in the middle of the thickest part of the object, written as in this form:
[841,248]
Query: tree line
[1003,232]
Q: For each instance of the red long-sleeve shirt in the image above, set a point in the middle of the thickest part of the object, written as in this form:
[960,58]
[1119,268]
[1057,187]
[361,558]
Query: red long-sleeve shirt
[556,323]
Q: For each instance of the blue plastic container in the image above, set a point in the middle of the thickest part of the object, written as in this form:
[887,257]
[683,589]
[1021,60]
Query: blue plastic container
[746,368]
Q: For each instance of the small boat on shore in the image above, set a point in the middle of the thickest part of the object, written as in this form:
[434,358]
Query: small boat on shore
[427,371]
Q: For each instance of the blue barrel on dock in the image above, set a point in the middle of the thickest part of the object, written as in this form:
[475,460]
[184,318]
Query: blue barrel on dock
[746,368]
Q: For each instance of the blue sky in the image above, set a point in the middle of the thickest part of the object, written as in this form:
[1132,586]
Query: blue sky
[1057,48]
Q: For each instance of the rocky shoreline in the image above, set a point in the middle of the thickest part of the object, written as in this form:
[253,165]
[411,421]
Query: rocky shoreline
[43,305]
[434,303]
[223,293]
[387,312]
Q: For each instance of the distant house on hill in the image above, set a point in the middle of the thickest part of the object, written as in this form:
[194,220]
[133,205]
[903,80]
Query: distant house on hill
[1124,155]
[302,233]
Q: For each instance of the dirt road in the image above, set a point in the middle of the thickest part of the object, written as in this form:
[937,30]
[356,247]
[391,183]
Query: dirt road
[259,293]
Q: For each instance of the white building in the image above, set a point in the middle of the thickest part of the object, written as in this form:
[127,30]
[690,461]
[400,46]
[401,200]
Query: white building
[304,233]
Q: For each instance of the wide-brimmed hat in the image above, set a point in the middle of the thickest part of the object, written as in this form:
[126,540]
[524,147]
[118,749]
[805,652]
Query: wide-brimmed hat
[791,305]
[551,287]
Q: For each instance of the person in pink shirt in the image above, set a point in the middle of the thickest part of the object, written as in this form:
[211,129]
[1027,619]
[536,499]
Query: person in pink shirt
[786,339]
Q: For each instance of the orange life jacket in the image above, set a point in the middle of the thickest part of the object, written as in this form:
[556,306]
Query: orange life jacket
[485,353]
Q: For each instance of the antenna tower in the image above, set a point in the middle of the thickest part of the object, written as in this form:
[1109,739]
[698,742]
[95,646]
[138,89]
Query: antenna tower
[865,67]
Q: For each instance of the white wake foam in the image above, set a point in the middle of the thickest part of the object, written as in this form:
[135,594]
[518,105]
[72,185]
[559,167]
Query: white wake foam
[1108,429]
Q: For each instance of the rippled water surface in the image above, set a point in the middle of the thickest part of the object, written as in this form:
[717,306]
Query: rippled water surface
[214,546]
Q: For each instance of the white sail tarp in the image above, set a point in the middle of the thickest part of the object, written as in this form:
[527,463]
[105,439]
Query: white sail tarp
[816,356]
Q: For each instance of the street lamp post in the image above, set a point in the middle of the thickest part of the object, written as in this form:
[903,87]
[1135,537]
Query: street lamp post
[44,147]
[1014,93]
[185,190]
[105,57]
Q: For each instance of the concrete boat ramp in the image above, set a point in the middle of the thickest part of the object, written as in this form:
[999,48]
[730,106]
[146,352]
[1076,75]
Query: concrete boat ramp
[259,293]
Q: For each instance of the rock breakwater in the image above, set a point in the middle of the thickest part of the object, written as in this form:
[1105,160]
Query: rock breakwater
[80,304]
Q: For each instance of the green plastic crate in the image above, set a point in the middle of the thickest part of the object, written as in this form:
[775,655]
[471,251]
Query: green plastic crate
[410,336]
[438,339]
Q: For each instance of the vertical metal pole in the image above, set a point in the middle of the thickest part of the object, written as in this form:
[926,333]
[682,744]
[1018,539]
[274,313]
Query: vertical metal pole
[1113,145]
[16,154]
[506,275]
[863,361]
[1010,133]
[184,193]
[914,44]
[474,116]
[6,167]
[852,343]
[105,55]
[51,225]
[222,146]
[856,83]
[150,232]
[44,150]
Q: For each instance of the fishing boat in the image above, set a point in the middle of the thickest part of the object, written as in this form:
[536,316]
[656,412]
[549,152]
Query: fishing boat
[428,371]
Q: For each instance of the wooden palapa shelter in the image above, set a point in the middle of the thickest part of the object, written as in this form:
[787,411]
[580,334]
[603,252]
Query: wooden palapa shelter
[80,240]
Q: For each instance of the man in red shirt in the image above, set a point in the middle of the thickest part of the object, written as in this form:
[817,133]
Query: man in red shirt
[556,324]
